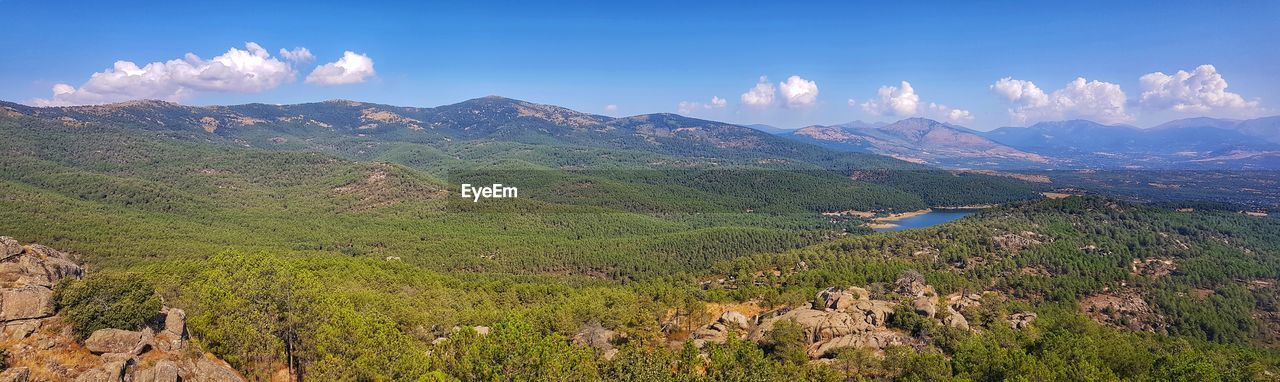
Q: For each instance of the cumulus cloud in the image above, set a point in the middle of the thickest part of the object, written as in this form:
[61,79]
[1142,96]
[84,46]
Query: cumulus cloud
[1096,100]
[761,95]
[893,101]
[248,70]
[610,108]
[352,68]
[688,107]
[1201,91]
[798,92]
[958,116]
[902,101]
[297,55]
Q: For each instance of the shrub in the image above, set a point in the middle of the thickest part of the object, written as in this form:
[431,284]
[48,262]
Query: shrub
[106,300]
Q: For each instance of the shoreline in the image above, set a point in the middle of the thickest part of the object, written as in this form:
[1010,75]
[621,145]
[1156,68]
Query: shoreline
[887,222]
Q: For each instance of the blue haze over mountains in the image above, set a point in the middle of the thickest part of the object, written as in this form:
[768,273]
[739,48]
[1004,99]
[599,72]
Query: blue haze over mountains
[1192,143]
[1187,144]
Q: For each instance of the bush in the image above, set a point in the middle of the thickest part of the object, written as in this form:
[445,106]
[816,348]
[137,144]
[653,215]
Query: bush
[106,300]
[905,318]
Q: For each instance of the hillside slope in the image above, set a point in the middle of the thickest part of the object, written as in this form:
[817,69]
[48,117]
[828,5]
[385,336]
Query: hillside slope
[921,141]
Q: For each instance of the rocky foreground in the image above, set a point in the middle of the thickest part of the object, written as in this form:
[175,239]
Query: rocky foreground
[857,318]
[39,345]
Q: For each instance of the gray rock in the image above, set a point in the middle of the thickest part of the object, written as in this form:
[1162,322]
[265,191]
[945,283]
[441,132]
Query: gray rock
[818,325]
[175,323]
[911,283]
[146,341]
[20,329]
[26,302]
[95,375]
[956,320]
[207,370]
[1021,320]
[840,300]
[735,318]
[17,374]
[116,357]
[163,371]
[56,264]
[112,371]
[113,341]
[876,312]
[35,265]
[595,336]
[9,247]
[927,306]
[876,340]
[610,354]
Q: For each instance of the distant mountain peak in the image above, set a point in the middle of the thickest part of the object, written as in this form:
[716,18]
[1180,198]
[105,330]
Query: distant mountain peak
[920,140]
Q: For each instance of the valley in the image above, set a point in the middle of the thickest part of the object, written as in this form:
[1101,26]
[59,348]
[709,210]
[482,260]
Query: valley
[638,248]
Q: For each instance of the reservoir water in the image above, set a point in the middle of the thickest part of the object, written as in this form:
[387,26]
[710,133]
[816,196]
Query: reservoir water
[929,219]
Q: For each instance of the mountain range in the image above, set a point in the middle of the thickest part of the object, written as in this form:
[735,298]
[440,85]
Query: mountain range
[919,140]
[487,119]
[1193,143]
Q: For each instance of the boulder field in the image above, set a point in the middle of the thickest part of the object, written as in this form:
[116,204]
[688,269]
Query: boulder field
[855,318]
[39,345]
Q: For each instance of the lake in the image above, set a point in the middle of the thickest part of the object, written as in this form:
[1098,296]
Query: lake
[930,219]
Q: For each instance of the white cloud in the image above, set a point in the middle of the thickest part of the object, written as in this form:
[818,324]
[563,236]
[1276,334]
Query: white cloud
[1200,91]
[688,107]
[297,55]
[798,92]
[352,68]
[1095,100]
[761,95]
[248,70]
[610,108]
[893,101]
[957,116]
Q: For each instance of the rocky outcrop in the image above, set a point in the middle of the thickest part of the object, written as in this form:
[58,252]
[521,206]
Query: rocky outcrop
[1014,242]
[16,374]
[860,323]
[596,336]
[112,341]
[40,346]
[735,318]
[27,302]
[1021,320]
[1126,309]
[842,299]
[956,320]
[857,318]
[27,276]
[718,331]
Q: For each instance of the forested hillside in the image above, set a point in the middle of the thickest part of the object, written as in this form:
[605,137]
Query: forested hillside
[342,255]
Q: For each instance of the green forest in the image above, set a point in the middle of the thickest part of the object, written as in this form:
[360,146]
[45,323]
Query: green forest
[341,257]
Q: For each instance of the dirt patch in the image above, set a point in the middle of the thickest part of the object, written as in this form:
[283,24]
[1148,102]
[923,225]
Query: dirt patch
[1153,267]
[1014,242]
[384,186]
[1126,310]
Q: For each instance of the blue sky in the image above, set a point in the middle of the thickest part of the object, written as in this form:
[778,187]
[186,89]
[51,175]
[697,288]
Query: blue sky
[650,57]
